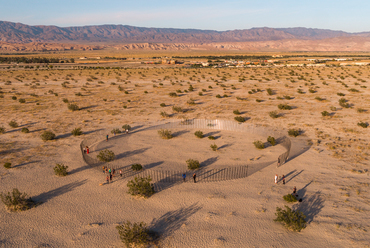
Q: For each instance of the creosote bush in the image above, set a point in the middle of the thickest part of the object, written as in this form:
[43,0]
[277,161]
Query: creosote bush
[172,94]
[47,135]
[115,131]
[106,155]
[16,201]
[363,124]
[293,132]
[259,144]
[141,186]
[61,170]
[73,107]
[22,100]
[192,164]
[164,114]
[136,167]
[292,220]
[77,131]
[236,112]
[126,127]
[284,107]
[199,134]
[211,137]
[165,134]
[7,165]
[290,198]
[162,105]
[134,235]
[325,113]
[177,109]
[269,91]
[25,130]
[65,100]
[273,114]
[239,118]
[271,140]
[13,124]
[2,130]
[214,147]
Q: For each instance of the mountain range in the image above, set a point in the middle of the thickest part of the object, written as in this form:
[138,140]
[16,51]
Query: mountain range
[17,37]
[21,33]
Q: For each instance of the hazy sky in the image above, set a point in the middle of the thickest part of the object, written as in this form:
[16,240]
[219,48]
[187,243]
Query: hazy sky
[349,15]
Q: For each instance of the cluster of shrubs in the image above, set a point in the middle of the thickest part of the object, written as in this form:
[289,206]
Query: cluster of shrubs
[294,132]
[136,234]
[16,201]
[165,134]
[61,170]
[192,164]
[106,156]
[141,186]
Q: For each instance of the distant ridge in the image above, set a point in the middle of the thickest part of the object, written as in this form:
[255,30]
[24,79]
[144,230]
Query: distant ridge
[20,33]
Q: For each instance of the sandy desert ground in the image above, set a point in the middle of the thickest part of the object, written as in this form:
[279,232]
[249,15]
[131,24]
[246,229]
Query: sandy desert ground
[332,177]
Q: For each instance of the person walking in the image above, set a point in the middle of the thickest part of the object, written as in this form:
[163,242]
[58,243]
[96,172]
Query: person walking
[120,173]
[107,137]
[194,177]
[87,150]
[283,179]
[295,192]
[276,179]
[107,179]
[184,176]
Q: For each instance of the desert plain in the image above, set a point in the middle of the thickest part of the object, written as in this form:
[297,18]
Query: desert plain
[80,210]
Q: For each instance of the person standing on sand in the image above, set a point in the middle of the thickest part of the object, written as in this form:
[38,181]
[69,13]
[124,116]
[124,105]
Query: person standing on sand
[87,150]
[184,176]
[194,177]
[278,164]
[107,137]
[276,179]
[103,169]
[126,131]
[107,179]
[283,179]
[111,177]
[120,173]
[106,170]
[109,171]
[84,149]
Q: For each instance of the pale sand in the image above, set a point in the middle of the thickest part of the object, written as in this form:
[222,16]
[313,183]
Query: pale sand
[77,212]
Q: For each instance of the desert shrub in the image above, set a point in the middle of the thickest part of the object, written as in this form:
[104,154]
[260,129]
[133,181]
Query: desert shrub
[162,105]
[290,198]
[164,114]
[126,92]
[172,94]
[214,147]
[236,112]
[73,107]
[363,124]
[360,110]
[116,131]
[192,164]
[165,134]
[284,107]
[2,130]
[106,155]
[325,113]
[218,96]
[292,220]
[25,130]
[47,135]
[14,98]
[340,94]
[22,100]
[311,90]
[191,88]
[271,140]
[273,114]
[126,127]
[199,134]
[293,132]
[343,103]
[332,108]
[177,109]
[65,100]
[211,137]
[259,144]
[178,91]
[269,91]
[78,94]
[77,131]
[7,165]
[318,98]
[16,201]
[239,118]
[141,186]
[136,167]
[13,124]
[300,91]
[190,102]
[287,97]
[200,93]
[61,170]
[133,235]
[125,106]
[353,90]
